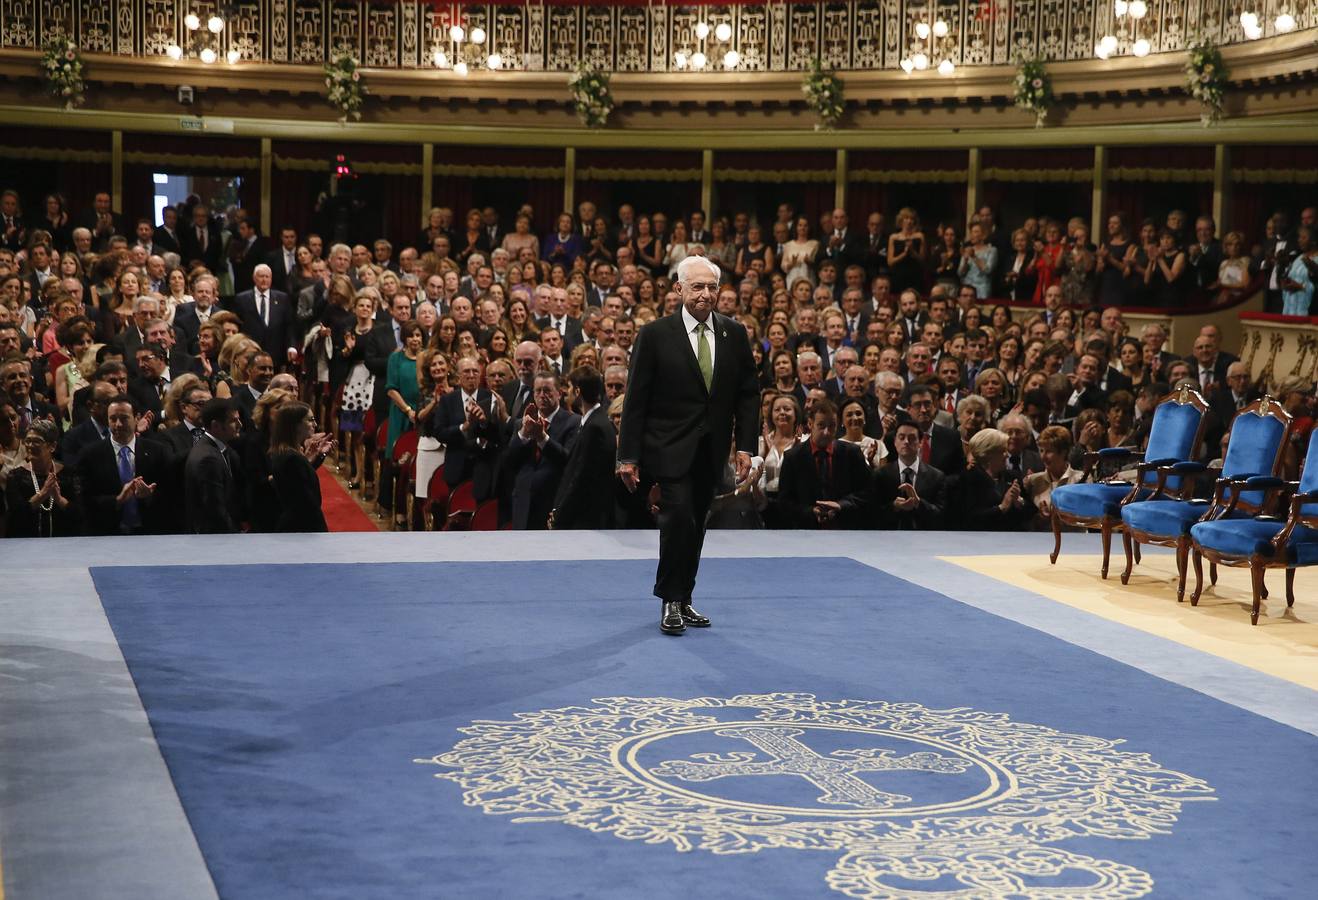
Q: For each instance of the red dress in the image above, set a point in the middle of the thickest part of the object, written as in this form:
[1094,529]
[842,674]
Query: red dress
[1045,263]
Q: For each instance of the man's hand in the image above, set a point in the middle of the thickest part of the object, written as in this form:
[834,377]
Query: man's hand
[743,465]
[907,498]
[142,490]
[826,510]
[533,425]
[292,354]
[630,475]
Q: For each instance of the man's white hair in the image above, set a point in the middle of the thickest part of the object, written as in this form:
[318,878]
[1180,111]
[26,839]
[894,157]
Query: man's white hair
[262,268]
[685,266]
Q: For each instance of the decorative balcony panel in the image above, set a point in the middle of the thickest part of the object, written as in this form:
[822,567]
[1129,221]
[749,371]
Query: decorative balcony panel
[848,35]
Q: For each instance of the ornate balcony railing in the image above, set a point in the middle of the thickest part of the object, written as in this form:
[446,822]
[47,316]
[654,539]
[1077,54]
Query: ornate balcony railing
[644,37]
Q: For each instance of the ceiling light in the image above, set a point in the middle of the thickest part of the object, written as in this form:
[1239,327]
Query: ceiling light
[1285,23]
[697,60]
[192,22]
[174,52]
[495,61]
[1138,9]
[460,68]
[208,56]
[1120,7]
[940,28]
[679,59]
[922,30]
[907,65]
[946,67]
[723,31]
[441,59]
[215,24]
[731,59]
[1108,43]
[478,35]
[702,30]
[1254,32]
[1141,47]
[457,33]
[920,61]
[1249,20]
[233,56]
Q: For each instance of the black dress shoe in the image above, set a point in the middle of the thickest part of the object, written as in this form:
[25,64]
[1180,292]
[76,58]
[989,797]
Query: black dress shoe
[672,619]
[693,618]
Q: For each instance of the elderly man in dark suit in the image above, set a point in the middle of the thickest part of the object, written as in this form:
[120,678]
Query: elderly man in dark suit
[92,430]
[268,316]
[200,240]
[940,446]
[467,422]
[692,387]
[123,478]
[537,454]
[210,476]
[586,492]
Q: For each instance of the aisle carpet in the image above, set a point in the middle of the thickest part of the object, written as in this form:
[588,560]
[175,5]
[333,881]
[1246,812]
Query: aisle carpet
[838,731]
[342,513]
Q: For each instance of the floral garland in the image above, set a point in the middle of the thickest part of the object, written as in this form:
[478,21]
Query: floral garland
[1206,78]
[823,94]
[590,95]
[345,83]
[61,62]
[1034,90]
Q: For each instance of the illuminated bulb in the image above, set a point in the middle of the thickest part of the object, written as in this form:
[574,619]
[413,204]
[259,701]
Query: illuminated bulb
[1141,47]
[460,68]
[1285,22]
[679,59]
[907,66]
[946,67]
[174,52]
[922,30]
[940,28]
[208,56]
[920,61]
[1100,51]
[1120,7]
[731,59]
[478,35]
[441,59]
[1254,32]
[1109,44]
[697,60]
[233,56]
[1138,9]
[723,31]
[192,22]
[215,24]
[1249,20]
[495,61]
[457,33]
[702,30]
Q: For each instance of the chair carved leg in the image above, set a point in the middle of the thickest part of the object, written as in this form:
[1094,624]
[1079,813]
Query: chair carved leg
[1057,537]
[1182,564]
[1290,588]
[1212,573]
[1137,555]
[1198,559]
[1256,573]
[1107,546]
[1126,542]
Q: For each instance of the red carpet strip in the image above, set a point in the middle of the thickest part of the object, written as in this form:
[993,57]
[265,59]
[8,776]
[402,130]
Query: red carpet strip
[341,511]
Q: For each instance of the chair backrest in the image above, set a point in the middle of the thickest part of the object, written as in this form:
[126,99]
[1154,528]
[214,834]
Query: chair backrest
[1258,439]
[486,517]
[405,445]
[1309,477]
[1178,428]
[437,491]
[463,499]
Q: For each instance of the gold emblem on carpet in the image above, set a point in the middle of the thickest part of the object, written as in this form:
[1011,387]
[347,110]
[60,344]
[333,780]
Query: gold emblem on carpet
[918,802]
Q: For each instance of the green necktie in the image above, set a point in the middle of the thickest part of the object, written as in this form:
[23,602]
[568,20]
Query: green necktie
[703,356]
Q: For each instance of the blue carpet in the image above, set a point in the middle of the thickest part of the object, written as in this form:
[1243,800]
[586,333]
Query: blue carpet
[305,710]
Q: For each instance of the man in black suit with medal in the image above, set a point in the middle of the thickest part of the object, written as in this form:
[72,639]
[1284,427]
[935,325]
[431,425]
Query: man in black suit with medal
[691,386]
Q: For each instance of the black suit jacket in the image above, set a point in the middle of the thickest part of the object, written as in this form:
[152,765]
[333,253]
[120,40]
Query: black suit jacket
[164,241]
[467,455]
[147,397]
[99,471]
[379,346]
[586,492]
[298,490]
[190,249]
[281,333]
[573,336]
[913,332]
[930,487]
[243,266]
[799,486]
[974,505]
[187,321]
[77,439]
[210,490]
[535,477]
[275,260]
[668,412]
[946,453]
[850,253]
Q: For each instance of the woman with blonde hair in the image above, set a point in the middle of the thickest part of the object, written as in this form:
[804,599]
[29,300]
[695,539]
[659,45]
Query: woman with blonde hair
[177,388]
[984,502]
[906,253]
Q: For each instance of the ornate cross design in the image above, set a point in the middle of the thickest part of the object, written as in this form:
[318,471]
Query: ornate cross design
[834,775]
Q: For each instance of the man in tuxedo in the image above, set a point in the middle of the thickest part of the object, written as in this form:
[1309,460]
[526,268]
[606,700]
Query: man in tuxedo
[1153,336]
[1085,393]
[585,496]
[557,317]
[807,337]
[13,230]
[283,259]
[490,224]
[200,240]
[537,454]
[940,446]
[857,317]
[602,280]
[211,474]
[1204,253]
[919,489]
[693,384]
[268,316]
[909,315]
[149,386]
[625,233]
[91,430]
[158,331]
[165,235]
[189,317]
[102,221]
[844,246]
[466,422]
[245,253]
[122,478]
[1022,458]
[585,224]
[824,482]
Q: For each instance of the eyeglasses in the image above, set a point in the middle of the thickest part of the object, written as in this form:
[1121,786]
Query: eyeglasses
[702,287]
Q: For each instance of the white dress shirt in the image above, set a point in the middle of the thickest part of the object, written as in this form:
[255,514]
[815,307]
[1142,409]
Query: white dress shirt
[690,322]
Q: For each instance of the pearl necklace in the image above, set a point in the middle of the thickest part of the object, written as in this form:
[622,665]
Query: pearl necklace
[49,503]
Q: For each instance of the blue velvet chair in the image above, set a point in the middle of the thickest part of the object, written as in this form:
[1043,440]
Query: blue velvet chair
[1258,440]
[1264,543]
[1178,427]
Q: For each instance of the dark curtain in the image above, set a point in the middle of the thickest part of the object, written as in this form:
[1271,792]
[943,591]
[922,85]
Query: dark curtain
[138,191]
[673,198]
[863,198]
[293,199]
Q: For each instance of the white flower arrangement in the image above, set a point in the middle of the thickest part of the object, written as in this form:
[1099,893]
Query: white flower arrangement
[590,95]
[1034,90]
[61,65]
[1206,78]
[346,85]
[823,94]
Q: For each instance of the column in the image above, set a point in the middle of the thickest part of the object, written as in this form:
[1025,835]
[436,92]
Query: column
[1221,186]
[267,187]
[569,180]
[840,180]
[973,183]
[707,183]
[427,182]
[117,170]
[1097,207]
